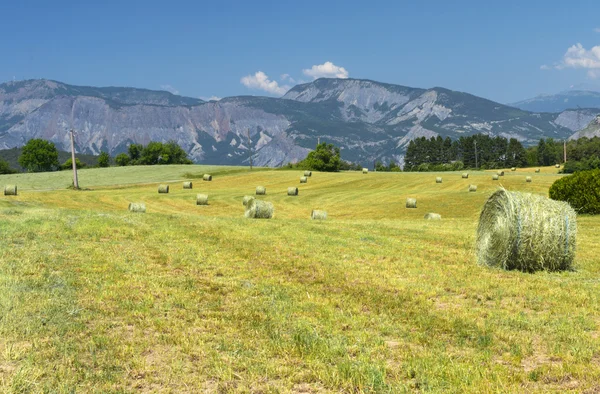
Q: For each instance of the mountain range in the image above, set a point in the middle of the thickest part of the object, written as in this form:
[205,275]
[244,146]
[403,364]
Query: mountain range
[570,99]
[368,120]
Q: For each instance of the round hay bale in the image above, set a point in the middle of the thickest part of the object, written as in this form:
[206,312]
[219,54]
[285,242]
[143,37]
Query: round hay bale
[557,165]
[139,207]
[526,232]
[207,177]
[513,169]
[365,170]
[411,203]
[500,173]
[433,216]
[537,170]
[465,175]
[292,191]
[163,188]
[495,177]
[318,215]
[187,185]
[303,179]
[261,190]
[528,179]
[10,190]
[307,173]
[438,179]
[472,188]
[258,209]
[201,199]
[246,200]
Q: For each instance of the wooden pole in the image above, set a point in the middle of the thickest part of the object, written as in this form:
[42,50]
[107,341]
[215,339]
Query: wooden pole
[249,147]
[75,181]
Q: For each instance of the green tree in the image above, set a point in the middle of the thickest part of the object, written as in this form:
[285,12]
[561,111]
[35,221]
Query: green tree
[5,168]
[103,160]
[39,155]
[122,159]
[151,154]
[135,152]
[326,157]
[68,164]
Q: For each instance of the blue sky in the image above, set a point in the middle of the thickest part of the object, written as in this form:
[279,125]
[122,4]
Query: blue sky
[502,50]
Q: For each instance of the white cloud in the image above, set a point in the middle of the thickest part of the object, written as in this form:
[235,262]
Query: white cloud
[261,81]
[287,77]
[169,89]
[545,67]
[597,29]
[211,98]
[326,70]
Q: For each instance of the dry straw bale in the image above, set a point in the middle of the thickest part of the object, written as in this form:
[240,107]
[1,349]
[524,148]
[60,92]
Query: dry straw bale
[303,179]
[137,207]
[292,191]
[258,209]
[318,215]
[411,203]
[10,190]
[365,170]
[261,190]
[163,188]
[495,177]
[438,179]
[433,216]
[201,199]
[527,179]
[500,173]
[207,177]
[246,200]
[307,173]
[537,170]
[472,188]
[526,232]
[465,175]
[187,185]
[513,169]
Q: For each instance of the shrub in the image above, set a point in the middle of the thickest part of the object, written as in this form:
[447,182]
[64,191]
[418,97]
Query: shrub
[581,190]
[68,164]
[103,160]
[122,159]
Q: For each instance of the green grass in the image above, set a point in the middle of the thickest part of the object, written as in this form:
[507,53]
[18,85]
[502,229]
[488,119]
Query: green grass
[190,298]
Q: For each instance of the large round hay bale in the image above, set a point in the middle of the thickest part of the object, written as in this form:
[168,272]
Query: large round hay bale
[292,191]
[495,177]
[527,232]
[365,170]
[201,199]
[10,190]
[163,188]
[303,179]
[433,216]
[307,173]
[411,203]
[465,175]
[258,209]
[187,185]
[246,200]
[139,207]
[318,215]
[513,169]
[500,173]
[438,179]
[207,177]
[537,170]
[472,188]
[261,190]
[557,165]
[528,179]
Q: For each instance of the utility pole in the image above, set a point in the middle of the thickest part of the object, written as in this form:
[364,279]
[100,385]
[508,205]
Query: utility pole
[318,141]
[249,147]
[75,181]
[565,151]
[476,162]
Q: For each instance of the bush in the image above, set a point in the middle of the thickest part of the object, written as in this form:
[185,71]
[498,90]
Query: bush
[581,190]
[5,168]
[68,164]
[122,159]
[103,160]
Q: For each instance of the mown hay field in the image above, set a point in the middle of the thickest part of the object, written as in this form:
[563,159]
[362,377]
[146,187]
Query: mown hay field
[187,298]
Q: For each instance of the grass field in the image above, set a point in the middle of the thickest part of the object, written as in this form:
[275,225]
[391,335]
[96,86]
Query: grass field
[190,298]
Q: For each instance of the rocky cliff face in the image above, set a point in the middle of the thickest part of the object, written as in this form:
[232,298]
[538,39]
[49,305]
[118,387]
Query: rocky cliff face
[590,131]
[367,119]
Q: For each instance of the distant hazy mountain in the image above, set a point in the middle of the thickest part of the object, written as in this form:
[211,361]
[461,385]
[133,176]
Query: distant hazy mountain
[368,120]
[571,99]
